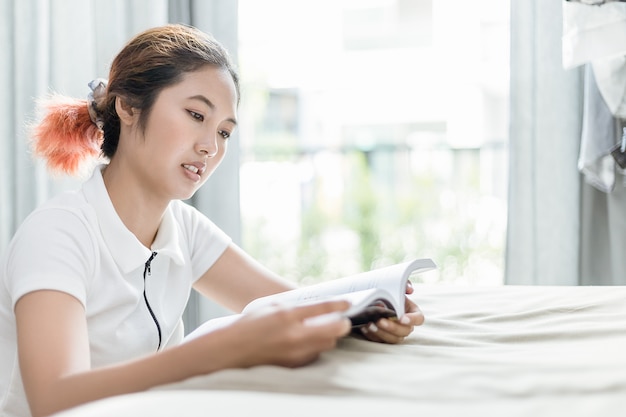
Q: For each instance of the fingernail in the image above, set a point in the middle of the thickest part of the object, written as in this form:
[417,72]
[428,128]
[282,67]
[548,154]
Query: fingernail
[372,328]
[405,320]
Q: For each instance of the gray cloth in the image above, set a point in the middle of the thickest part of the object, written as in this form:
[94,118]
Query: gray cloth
[601,131]
[603,236]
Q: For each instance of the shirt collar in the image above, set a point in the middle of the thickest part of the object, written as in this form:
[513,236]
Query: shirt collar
[129,253]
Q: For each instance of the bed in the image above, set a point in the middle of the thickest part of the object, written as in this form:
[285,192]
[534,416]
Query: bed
[483,351]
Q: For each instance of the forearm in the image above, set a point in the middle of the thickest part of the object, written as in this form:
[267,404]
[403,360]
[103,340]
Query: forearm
[236,279]
[277,336]
[168,366]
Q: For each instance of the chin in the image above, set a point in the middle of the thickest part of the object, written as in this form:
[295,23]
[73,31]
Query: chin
[187,196]
[186,193]
[182,193]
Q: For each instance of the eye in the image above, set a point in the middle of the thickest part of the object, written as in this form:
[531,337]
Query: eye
[196,116]
[224,134]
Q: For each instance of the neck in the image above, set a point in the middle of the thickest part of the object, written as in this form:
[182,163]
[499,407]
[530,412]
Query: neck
[140,211]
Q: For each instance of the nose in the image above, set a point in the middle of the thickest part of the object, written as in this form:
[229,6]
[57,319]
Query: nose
[208,145]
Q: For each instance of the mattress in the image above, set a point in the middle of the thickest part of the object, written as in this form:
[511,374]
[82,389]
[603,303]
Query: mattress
[482,351]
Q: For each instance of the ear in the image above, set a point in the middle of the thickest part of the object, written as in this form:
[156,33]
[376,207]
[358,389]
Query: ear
[125,111]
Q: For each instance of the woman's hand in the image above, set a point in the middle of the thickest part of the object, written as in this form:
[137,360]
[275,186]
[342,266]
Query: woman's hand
[395,330]
[285,336]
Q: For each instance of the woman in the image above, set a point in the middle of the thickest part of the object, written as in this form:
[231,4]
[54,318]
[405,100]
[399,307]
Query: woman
[95,281]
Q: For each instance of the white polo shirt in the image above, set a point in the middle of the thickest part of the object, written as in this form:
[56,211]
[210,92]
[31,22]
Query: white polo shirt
[77,244]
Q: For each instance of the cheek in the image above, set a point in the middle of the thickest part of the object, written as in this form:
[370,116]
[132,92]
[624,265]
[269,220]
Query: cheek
[165,139]
[223,148]
[163,123]
[215,162]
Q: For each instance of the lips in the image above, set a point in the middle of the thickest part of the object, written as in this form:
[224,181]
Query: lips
[196,167]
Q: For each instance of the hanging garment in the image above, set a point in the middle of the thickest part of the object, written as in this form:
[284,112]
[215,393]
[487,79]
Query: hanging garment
[595,36]
[600,134]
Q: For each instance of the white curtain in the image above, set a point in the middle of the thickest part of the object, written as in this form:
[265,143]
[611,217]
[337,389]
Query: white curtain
[53,46]
[561,230]
[60,45]
[544,191]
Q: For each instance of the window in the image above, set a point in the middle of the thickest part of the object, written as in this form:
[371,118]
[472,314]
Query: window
[373,131]
[386,24]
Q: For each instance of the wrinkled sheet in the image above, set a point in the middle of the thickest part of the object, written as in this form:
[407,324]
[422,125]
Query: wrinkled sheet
[505,351]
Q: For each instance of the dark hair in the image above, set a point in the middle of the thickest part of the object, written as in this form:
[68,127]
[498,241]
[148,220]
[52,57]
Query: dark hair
[148,63]
[69,132]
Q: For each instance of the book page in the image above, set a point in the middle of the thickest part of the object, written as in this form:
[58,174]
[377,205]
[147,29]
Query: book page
[211,325]
[361,290]
[391,279]
[359,300]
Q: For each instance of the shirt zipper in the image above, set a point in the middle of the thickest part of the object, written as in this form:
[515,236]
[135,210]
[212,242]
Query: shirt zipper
[148,271]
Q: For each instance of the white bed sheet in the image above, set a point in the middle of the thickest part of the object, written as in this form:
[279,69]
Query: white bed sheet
[483,351]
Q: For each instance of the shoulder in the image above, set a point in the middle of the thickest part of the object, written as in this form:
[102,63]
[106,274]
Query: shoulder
[68,211]
[54,248]
[204,240]
[64,226]
[190,218]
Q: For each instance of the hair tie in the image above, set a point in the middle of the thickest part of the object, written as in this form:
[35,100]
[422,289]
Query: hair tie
[94,98]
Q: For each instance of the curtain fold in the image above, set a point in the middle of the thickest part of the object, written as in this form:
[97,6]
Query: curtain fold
[53,46]
[603,236]
[543,236]
[7,124]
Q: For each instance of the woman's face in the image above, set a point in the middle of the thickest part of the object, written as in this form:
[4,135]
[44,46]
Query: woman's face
[186,134]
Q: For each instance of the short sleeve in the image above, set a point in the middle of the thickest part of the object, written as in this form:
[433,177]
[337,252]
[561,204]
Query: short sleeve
[206,241]
[52,250]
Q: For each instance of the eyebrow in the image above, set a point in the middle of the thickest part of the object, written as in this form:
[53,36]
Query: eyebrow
[209,103]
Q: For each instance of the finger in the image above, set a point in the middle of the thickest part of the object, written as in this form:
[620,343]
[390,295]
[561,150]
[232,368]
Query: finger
[375,333]
[369,331]
[333,319]
[413,318]
[316,309]
[409,287]
[325,319]
[416,317]
[395,327]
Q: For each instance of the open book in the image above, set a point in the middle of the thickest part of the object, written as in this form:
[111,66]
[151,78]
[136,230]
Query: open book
[372,295]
